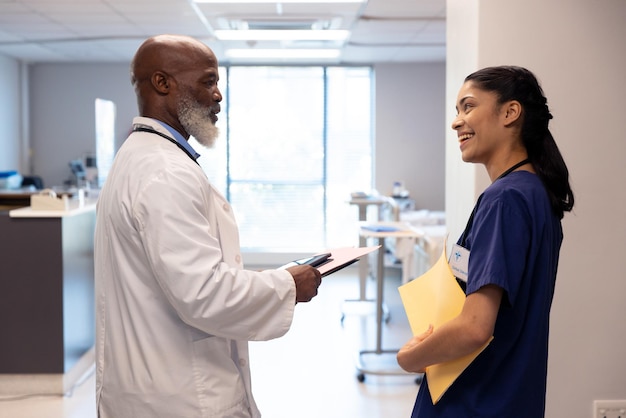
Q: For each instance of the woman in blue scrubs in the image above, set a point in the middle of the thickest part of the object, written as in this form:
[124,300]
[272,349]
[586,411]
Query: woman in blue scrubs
[513,239]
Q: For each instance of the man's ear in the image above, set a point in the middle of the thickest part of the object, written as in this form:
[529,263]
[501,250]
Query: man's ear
[160,82]
[511,112]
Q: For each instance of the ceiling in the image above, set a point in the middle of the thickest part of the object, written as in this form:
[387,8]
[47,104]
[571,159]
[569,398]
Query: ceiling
[111,30]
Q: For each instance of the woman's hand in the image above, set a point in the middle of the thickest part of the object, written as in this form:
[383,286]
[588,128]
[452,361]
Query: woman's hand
[405,354]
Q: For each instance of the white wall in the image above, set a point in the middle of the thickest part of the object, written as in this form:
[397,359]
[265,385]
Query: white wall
[62,118]
[410,130]
[576,49]
[10,115]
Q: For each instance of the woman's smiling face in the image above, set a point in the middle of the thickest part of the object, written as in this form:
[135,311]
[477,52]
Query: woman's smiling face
[478,124]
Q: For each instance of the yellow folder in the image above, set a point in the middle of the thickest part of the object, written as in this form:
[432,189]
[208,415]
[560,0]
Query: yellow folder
[435,298]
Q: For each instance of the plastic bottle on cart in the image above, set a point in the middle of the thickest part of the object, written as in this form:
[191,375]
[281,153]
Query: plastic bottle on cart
[397,189]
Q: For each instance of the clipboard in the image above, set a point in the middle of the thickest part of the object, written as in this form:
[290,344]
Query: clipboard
[333,260]
[313,261]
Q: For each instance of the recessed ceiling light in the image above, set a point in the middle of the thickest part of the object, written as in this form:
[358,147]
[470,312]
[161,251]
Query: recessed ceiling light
[283,53]
[281,1]
[282,35]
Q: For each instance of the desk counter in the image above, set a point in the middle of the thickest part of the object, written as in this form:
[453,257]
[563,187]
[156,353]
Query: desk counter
[75,207]
[47,316]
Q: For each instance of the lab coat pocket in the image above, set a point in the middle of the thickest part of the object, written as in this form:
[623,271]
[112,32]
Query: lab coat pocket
[218,377]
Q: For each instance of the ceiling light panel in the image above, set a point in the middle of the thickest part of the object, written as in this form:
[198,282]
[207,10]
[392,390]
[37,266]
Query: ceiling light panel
[282,1]
[282,35]
[407,8]
[284,53]
[216,14]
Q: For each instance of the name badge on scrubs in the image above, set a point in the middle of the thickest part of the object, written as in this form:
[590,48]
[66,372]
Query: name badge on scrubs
[459,261]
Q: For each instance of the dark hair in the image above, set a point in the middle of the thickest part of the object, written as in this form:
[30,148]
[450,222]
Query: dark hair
[517,83]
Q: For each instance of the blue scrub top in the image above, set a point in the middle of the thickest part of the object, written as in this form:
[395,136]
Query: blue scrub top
[514,243]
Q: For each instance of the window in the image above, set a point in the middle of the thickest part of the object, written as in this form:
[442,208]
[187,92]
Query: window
[294,142]
[105,139]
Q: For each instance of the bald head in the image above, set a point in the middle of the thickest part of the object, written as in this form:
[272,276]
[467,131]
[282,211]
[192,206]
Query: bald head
[169,69]
[167,53]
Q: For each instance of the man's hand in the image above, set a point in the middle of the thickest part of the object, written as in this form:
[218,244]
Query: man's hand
[307,281]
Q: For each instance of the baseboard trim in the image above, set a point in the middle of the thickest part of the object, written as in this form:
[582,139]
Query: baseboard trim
[48,384]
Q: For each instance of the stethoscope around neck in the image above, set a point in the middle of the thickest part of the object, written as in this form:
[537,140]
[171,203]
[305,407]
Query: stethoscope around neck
[143,128]
[513,168]
[470,221]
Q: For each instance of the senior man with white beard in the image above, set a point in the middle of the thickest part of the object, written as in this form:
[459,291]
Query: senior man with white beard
[175,307]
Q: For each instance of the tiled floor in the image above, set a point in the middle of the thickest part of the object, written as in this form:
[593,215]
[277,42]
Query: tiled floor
[308,373]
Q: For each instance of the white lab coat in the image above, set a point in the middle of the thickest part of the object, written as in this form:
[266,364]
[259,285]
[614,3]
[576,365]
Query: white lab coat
[175,309]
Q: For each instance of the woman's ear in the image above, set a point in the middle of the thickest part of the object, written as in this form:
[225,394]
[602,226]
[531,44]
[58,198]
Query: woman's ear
[512,112]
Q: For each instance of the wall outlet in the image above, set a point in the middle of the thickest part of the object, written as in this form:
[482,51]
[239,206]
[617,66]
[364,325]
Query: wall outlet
[609,409]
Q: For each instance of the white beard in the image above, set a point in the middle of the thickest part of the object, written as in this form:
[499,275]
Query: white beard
[196,119]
